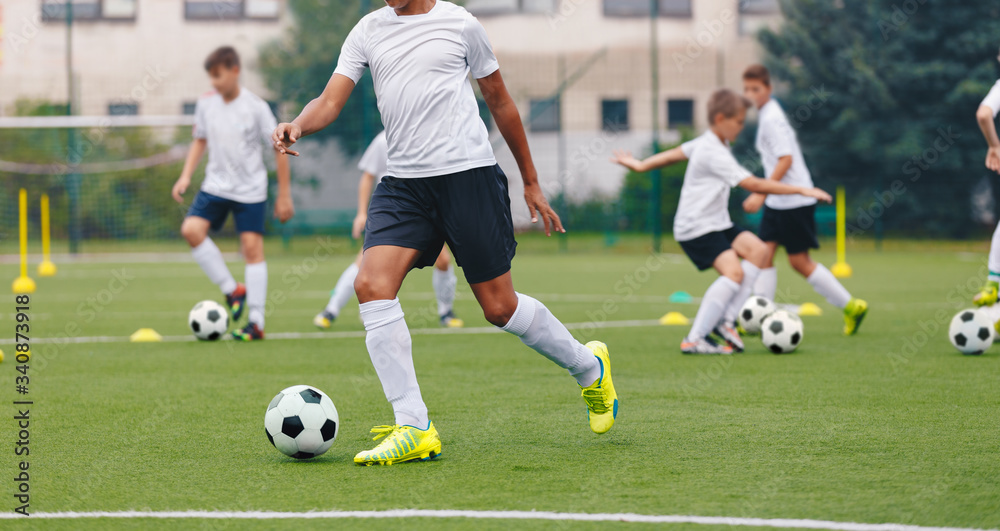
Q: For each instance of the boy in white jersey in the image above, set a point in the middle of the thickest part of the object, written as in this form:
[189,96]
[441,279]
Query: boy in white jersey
[373,168]
[985,117]
[789,220]
[235,126]
[702,225]
[444,186]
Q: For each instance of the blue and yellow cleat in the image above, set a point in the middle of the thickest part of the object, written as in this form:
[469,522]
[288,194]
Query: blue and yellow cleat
[449,320]
[401,444]
[324,320]
[600,396]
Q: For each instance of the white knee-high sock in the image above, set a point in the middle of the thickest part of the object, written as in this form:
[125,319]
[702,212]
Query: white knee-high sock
[827,285]
[713,305]
[343,291]
[540,330]
[444,288]
[209,257]
[256,278]
[767,283]
[750,275]
[994,260]
[391,351]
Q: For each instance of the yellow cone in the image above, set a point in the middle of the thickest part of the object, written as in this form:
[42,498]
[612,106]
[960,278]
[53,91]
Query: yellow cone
[810,310]
[674,319]
[841,270]
[145,335]
[1,356]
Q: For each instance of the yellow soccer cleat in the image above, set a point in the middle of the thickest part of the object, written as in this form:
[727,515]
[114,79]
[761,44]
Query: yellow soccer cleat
[600,396]
[449,320]
[401,444]
[854,313]
[324,320]
[986,296]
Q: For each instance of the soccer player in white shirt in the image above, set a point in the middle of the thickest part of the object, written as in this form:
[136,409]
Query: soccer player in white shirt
[986,116]
[234,125]
[702,225]
[790,220]
[444,281]
[444,186]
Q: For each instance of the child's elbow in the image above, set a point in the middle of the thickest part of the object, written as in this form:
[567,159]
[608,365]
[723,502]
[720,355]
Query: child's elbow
[984,114]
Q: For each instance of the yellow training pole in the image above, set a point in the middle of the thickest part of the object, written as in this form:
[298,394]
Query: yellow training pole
[46,268]
[23,283]
[841,269]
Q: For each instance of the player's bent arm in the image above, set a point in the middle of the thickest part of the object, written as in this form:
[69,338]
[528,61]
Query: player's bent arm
[284,207]
[984,116]
[659,160]
[767,186]
[316,115]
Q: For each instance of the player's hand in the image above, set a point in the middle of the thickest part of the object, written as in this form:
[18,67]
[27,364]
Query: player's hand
[284,208]
[753,203]
[818,194]
[993,159]
[625,158]
[539,207]
[284,136]
[180,187]
[359,225]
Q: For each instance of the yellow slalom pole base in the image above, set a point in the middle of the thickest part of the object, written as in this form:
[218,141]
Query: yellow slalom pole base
[23,285]
[841,270]
[47,269]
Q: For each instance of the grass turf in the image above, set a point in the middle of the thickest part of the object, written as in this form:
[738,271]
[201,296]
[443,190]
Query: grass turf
[890,426]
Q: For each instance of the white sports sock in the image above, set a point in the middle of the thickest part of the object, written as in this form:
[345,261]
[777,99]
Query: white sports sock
[209,257]
[750,274]
[343,291]
[540,330]
[391,351]
[256,277]
[444,288]
[994,260]
[713,305]
[827,285]
[767,283]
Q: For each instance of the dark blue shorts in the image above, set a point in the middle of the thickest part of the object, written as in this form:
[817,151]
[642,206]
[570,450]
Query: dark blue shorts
[704,249]
[249,217]
[468,210]
[794,229]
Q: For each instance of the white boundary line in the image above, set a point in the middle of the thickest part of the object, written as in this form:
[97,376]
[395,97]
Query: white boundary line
[497,515]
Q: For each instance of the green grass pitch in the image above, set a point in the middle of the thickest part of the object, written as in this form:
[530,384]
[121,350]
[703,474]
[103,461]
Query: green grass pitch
[892,425]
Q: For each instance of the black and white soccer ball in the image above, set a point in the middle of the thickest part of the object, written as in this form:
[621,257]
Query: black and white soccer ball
[301,422]
[781,332]
[971,331]
[753,312]
[209,320]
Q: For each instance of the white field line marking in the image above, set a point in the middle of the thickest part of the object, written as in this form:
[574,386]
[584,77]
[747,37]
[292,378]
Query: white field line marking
[345,334]
[497,515]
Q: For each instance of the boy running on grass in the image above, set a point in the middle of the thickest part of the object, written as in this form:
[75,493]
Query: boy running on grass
[373,169]
[702,225]
[443,186]
[986,116]
[790,220]
[235,126]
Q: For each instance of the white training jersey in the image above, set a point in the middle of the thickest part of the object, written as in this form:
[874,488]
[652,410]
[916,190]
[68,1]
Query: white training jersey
[992,99]
[375,158]
[420,66]
[711,172]
[776,139]
[236,133]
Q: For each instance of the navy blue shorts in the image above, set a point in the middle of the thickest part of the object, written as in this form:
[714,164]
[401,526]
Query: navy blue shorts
[704,249]
[468,210]
[794,229]
[249,217]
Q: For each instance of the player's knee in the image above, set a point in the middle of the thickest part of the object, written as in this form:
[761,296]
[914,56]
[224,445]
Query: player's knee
[735,274]
[370,287]
[193,233]
[442,262]
[498,313]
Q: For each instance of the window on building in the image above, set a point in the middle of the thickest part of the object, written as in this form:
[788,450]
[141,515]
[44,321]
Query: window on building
[123,109]
[759,7]
[231,9]
[614,115]
[188,107]
[503,7]
[544,115]
[680,112]
[83,10]
[641,8]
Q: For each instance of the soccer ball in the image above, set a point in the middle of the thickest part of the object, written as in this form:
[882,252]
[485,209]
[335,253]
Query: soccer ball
[754,310]
[971,332]
[209,320]
[781,332]
[301,422]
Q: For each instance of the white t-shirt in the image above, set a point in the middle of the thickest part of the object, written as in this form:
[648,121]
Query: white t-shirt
[420,66]
[374,159]
[711,172]
[776,139]
[236,133]
[992,99]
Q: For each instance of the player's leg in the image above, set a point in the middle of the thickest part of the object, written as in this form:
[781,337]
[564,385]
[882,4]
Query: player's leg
[988,295]
[767,281]
[342,292]
[209,212]
[444,281]
[754,254]
[713,305]
[249,220]
[827,286]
